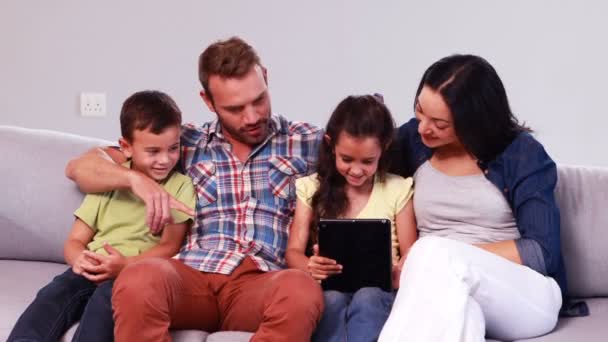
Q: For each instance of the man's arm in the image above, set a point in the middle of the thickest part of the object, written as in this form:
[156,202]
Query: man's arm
[100,170]
[109,267]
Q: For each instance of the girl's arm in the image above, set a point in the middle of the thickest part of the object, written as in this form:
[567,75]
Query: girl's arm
[405,223]
[318,267]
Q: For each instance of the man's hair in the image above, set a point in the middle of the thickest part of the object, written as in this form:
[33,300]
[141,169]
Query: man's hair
[149,109]
[231,58]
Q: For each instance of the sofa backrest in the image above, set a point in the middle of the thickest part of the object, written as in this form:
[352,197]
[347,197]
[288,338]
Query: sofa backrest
[582,196]
[37,200]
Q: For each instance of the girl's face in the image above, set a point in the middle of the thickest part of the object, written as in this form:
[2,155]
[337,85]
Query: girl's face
[357,158]
[435,122]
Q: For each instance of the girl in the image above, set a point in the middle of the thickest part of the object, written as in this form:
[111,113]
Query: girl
[352,182]
[488,262]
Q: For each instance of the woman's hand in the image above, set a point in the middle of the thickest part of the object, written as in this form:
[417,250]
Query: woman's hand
[320,267]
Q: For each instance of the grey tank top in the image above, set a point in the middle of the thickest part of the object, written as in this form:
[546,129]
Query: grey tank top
[465,208]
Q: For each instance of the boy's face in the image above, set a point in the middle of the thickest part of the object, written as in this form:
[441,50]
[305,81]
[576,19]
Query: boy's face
[154,155]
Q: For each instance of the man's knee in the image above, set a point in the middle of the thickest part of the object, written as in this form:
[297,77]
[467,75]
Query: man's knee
[142,280]
[307,299]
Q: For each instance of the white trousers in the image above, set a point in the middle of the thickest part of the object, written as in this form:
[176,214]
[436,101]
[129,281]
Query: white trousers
[453,291]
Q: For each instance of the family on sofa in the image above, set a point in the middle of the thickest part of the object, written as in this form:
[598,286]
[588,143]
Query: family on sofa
[476,245]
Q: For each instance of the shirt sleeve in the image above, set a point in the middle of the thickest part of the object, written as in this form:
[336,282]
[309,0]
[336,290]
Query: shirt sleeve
[306,188]
[535,209]
[89,210]
[404,188]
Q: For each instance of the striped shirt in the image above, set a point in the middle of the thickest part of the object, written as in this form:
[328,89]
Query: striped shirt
[244,209]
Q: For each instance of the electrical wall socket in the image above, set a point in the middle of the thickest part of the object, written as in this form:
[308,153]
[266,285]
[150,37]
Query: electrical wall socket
[93,104]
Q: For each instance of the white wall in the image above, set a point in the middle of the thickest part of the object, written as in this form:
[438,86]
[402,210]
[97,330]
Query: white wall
[552,56]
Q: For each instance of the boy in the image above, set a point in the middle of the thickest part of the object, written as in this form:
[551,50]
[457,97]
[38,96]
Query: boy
[110,230]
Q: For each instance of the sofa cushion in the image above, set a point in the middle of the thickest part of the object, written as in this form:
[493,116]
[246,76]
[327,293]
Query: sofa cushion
[21,281]
[38,216]
[582,194]
[591,328]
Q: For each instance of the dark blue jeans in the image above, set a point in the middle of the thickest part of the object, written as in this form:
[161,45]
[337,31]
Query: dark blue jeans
[60,304]
[357,317]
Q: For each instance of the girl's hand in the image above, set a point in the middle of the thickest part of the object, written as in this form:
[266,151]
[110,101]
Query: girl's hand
[320,267]
[397,273]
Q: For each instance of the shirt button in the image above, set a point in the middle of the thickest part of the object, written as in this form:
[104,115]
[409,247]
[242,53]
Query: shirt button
[486,171]
[506,189]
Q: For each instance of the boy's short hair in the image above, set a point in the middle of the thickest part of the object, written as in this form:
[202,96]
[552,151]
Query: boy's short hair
[231,58]
[149,109]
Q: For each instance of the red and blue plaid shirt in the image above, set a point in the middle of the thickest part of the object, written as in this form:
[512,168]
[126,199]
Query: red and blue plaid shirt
[244,209]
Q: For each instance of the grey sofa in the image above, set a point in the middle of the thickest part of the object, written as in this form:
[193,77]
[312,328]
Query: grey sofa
[36,214]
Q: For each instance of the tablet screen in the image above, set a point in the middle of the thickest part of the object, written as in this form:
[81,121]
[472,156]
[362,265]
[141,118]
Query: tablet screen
[362,247]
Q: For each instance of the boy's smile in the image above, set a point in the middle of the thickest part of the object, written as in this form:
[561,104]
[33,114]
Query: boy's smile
[154,155]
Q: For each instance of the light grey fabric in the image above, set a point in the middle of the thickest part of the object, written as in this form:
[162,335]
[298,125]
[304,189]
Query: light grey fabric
[38,215]
[582,196]
[465,208]
[229,336]
[20,282]
[189,335]
[593,328]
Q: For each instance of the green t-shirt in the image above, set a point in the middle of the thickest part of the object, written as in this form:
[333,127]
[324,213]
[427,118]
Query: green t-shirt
[119,217]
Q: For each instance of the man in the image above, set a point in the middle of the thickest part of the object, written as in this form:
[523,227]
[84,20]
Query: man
[243,166]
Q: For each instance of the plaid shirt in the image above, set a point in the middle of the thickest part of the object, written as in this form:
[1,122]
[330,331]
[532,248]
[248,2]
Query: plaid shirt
[244,209]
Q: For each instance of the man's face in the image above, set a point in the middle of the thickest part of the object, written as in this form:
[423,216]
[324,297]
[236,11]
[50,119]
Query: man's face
[155,155]
[242,106]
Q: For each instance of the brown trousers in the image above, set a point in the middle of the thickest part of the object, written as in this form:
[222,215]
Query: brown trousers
[154,295]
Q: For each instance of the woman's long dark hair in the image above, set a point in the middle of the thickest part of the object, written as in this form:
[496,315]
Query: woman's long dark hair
[360,117]
[471,88]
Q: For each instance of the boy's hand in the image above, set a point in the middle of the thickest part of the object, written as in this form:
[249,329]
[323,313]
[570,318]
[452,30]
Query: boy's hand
[320,267]
[397,273]
[108,267]
[158,202]
[82,262]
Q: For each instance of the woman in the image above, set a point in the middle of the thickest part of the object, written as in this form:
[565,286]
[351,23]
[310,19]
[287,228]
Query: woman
[488,260]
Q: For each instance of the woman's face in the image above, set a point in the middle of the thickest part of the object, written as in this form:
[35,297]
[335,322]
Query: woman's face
[436,126]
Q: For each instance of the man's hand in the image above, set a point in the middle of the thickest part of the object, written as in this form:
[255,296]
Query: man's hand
[158,202]
[107,267]
[320,267]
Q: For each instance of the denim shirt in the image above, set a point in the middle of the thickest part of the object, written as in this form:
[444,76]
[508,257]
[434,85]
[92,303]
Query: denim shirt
[526,176]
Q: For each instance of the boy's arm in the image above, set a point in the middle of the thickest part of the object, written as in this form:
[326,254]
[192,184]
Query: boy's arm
[76,243]
[100,170]
[108,267]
